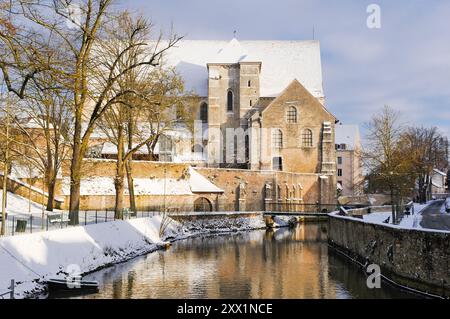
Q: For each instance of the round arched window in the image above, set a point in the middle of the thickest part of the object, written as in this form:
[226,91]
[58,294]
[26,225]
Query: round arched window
[292,115]
[230,101]
[307,138]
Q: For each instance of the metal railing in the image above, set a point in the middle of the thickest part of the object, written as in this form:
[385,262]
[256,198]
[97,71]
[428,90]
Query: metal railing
[316,208]
[10,291]
[32,223]
[441,195]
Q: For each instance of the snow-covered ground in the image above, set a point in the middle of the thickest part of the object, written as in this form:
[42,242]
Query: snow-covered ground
[408,222]
[30,259]
[19,206]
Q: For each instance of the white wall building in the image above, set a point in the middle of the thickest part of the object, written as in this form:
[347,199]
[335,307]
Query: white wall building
[349,163]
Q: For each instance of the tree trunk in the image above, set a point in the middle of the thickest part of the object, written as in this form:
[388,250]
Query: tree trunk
[51,194]
[131,186]
[129,167]
[75,177]
[422,190]
[394,205]
[429,190]
[120,175]
[120,187]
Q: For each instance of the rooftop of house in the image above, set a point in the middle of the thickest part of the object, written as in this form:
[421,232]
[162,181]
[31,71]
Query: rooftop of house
[348,135]
[282,62]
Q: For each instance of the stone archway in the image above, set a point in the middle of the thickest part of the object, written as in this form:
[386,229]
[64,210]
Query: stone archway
[202,204]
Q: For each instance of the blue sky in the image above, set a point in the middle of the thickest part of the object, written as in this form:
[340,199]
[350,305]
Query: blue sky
[405,64]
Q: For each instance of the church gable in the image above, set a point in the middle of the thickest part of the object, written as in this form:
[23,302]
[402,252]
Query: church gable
[296,122]
[298,96]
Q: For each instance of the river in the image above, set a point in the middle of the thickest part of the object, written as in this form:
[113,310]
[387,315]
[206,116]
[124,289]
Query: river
[285,263]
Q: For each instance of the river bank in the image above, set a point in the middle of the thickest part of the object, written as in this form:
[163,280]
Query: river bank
[31,259]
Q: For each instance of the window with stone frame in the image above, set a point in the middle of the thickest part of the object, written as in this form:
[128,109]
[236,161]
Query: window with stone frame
[292,115]
[277,139]
[230,101]
[204,112]
[307,138]
[166,147]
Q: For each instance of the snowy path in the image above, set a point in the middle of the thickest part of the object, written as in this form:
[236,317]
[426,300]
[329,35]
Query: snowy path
[408,222]
[434,217]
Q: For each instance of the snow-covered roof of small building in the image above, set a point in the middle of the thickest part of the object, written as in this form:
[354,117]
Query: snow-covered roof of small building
[101,185]
[282,62]
[200,184]
[96,186]
[111,149]
[348,135]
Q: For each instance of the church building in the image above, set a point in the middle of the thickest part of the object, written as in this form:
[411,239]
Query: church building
[261,104]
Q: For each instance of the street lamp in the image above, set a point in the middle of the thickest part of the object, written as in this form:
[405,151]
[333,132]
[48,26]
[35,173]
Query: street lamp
[5,171]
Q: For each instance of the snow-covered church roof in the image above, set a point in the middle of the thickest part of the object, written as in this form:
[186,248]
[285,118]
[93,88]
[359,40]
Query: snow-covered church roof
[282,62]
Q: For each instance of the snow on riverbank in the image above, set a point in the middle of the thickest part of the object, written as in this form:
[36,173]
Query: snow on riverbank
[221,225]
[30,258]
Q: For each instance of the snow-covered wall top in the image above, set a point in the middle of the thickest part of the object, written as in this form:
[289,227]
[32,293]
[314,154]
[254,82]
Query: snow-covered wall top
[282,62]
[104,186]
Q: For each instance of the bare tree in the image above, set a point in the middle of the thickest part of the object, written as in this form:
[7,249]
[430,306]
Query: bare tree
[389,160]
[43,124]
[139,120]
[22,49]
[164,105]
[169,108]
[90,78]
[428,151]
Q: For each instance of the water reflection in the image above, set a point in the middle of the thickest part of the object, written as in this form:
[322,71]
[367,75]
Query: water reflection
[286,263]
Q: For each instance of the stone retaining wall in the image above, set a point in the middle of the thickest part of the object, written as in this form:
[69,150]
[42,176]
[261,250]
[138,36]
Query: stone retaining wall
[417,259]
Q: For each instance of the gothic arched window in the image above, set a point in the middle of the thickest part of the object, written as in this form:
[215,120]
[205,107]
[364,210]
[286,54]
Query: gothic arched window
[230,101]
[204,112]
[292,115]
[307,138]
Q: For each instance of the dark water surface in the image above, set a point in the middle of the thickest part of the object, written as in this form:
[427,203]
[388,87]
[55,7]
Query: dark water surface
[286,263]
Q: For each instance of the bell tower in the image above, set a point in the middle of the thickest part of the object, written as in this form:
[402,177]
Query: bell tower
[233,89]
